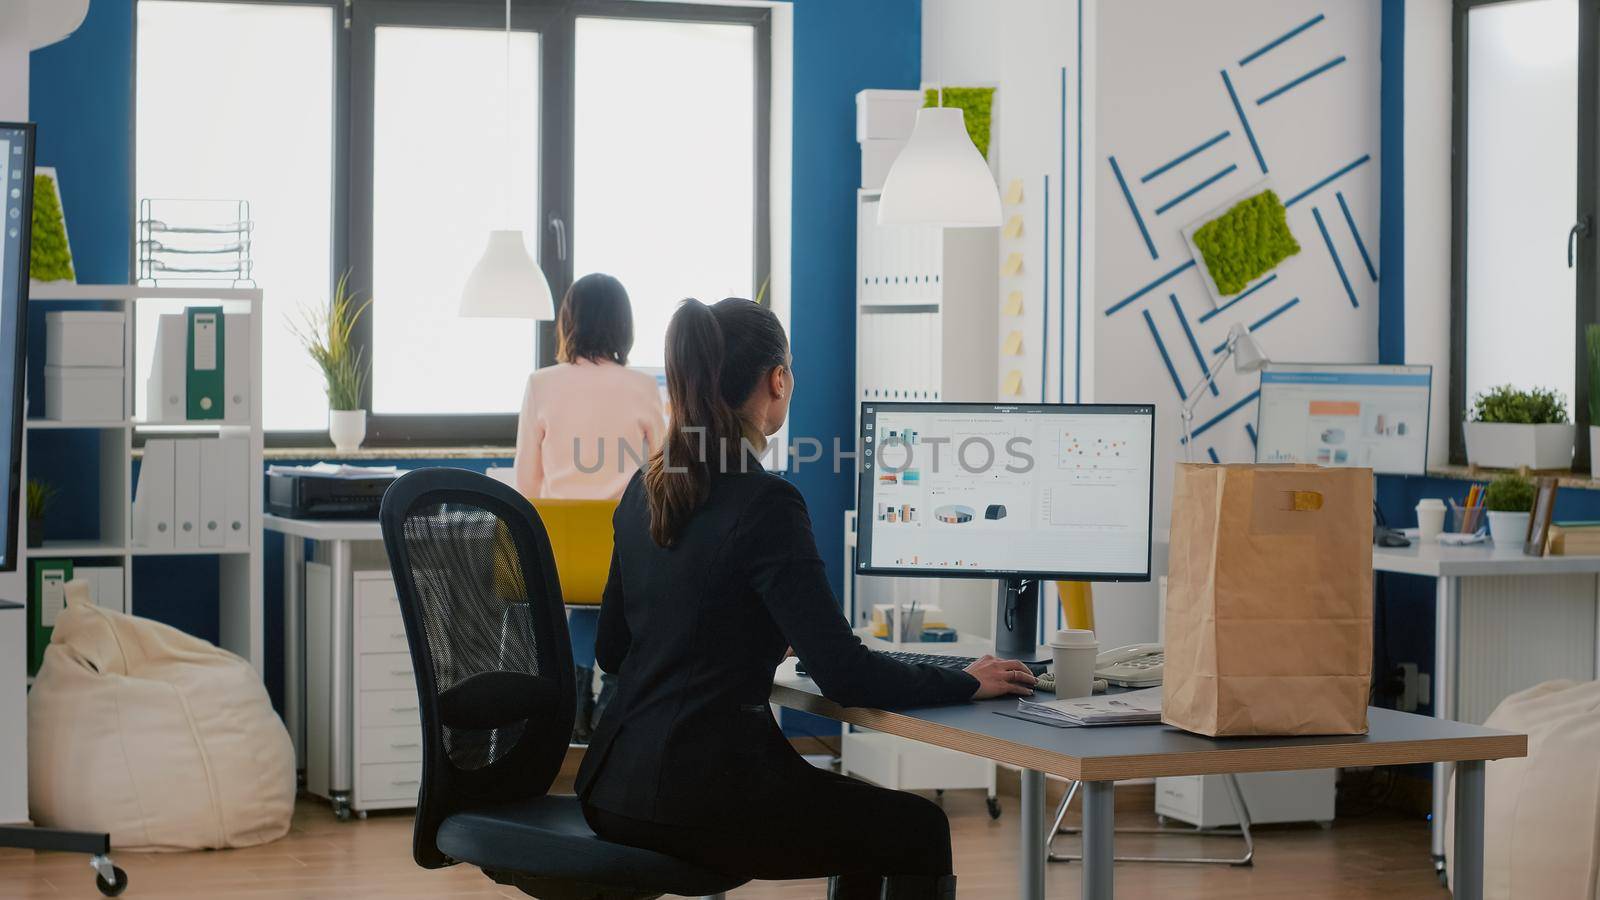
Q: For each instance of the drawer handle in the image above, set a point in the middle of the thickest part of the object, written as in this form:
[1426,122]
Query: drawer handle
[402,709]
[397,635]
[405,746]
[399,671]
[397,782]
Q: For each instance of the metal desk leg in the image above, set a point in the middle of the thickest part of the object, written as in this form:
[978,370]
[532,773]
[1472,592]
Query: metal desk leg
[1469,830]
[342,741]
[294,660]
[1099,827]
[1446,625]
[1031,827]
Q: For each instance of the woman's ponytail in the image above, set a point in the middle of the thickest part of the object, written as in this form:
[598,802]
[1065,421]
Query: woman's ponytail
[715,356]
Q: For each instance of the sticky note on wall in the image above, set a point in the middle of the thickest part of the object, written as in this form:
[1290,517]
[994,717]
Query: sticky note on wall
[1013,344]
[1012,265]
[1013,227]
[1012,387]
[1013,304]
[1014,192]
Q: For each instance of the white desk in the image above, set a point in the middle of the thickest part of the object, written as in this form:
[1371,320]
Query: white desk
[334,540]
[1458,570]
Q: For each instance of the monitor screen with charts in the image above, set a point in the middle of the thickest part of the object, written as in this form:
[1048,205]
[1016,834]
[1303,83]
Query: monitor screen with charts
[1373,417]
[1006,491]
[16,216]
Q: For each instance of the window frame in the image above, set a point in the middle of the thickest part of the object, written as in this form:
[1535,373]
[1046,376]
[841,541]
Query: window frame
[555,21]
[1588,193]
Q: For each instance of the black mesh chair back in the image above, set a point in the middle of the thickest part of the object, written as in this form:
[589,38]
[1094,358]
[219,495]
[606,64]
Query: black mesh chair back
[488,636]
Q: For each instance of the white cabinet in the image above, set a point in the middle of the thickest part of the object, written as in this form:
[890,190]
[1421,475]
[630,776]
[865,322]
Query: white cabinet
[383,767]
[1271,797]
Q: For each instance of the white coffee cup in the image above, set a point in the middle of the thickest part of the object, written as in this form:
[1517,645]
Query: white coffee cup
[1073,653]
[1430,519]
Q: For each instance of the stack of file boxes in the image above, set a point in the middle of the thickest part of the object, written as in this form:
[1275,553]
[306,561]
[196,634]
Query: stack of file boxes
[83,355]
[201,369]
[193,494]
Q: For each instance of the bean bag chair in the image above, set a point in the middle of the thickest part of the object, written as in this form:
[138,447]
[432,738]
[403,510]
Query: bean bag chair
[1541,835]
[156,737]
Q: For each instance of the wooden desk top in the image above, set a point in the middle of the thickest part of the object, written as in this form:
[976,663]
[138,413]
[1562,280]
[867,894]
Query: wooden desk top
[1147,751]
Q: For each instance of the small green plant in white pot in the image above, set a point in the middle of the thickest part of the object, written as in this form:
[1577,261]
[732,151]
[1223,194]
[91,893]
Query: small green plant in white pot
[1509,502]
[1509,429]
[325,332]
[1591,336]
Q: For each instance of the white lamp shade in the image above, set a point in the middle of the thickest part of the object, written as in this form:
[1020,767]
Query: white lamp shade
[940,178]
[1248,355]
[506,283]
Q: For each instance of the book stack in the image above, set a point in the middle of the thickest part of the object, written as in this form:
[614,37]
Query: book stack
[1127,708]
[1574,539]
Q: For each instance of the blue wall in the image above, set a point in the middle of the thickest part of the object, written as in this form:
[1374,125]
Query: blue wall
[840,47]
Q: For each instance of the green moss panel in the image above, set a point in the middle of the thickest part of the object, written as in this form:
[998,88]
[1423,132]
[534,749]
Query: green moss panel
[1246,242]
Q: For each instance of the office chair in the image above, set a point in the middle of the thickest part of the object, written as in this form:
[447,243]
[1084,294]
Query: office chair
[482,606]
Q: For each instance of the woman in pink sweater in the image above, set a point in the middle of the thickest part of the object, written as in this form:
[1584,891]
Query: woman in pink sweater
[587,423]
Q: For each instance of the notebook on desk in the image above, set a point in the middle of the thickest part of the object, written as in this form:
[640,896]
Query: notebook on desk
[1125,708]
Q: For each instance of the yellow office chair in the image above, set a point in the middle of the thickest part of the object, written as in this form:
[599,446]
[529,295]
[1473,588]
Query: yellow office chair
[1077,603]
[580,538]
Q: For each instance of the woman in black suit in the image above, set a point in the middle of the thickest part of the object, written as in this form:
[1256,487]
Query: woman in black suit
[714,576]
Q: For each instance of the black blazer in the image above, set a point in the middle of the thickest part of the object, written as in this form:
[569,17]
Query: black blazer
[694,633]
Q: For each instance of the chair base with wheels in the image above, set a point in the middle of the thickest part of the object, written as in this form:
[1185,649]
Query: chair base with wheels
[1242,830]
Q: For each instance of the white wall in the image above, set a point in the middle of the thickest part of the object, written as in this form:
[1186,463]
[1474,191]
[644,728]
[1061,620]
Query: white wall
[1427,202]
[1160,92]
[13,60]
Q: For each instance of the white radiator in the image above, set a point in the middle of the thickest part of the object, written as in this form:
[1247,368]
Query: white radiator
[1517,632]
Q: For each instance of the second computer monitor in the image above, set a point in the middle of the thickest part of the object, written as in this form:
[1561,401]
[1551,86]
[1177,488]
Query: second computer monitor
[1373,417]
[1032,491]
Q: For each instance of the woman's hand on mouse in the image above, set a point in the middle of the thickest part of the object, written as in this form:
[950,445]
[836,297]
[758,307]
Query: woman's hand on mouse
[1000,677]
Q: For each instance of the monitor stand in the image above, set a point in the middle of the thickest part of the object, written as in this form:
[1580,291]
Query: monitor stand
[1016,620]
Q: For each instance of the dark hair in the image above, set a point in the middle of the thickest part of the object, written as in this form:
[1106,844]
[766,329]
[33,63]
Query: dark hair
[716,355]
[595,322]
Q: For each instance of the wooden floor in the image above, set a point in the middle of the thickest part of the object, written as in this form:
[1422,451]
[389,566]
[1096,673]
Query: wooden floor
[1380,855]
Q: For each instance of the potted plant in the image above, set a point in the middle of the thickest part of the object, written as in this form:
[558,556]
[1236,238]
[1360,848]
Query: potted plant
[40,495]
[1507,429]
[1509,502]
[325,333]
[1591,336]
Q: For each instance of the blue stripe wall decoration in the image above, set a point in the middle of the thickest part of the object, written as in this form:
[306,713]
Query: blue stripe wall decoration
[1061,237]
[1185,155]
[1338,265]
[1244,123]
[1044,301]
[1250,432]
[1077,157]
[1182,267]
[1232,408]
[1279,40]
[1350,220]
[1161,347]
[1196,189]
[1365,158]
[1133,207]
[1212,452]
[1206,317]
[1194,344]
[1257,324]
[1296,82]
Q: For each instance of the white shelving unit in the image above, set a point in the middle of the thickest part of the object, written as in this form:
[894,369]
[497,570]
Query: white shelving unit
[925,331]
[239,588]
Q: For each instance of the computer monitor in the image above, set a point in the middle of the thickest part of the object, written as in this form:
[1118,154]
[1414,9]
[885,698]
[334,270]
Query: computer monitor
[1017,492]
[16,219]
[1329,414]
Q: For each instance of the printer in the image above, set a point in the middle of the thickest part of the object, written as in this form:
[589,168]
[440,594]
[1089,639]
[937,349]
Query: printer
[326,491]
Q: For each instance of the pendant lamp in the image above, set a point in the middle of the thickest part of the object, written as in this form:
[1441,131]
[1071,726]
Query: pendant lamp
[506,283]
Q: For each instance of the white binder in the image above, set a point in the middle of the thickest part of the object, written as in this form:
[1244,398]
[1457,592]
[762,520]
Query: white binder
[213,496]
[236,367]
[167,387]
[153,502]
[105,586]
[236,491]
[186,494]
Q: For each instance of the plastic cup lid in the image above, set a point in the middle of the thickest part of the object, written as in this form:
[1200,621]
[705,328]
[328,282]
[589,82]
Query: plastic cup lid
[1431,503]
[1074,637]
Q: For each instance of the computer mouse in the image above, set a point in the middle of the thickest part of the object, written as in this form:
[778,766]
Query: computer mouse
[1393,539]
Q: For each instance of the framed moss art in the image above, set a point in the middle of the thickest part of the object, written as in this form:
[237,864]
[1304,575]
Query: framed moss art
[1242,241]
[977,110]
[52,254]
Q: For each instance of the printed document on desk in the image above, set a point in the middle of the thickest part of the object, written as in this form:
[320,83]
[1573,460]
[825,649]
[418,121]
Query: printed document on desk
[1129,708]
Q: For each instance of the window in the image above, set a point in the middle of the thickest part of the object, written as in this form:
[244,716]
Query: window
[1524,180]
[235,101]
[637,145]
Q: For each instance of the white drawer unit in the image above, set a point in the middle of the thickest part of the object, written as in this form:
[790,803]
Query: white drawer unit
[387,745]
[1271,797]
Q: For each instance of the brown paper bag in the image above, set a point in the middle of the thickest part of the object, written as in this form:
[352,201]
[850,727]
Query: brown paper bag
[1269,600]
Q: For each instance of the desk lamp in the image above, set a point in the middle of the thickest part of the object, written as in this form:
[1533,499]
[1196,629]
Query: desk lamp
[1247,357]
